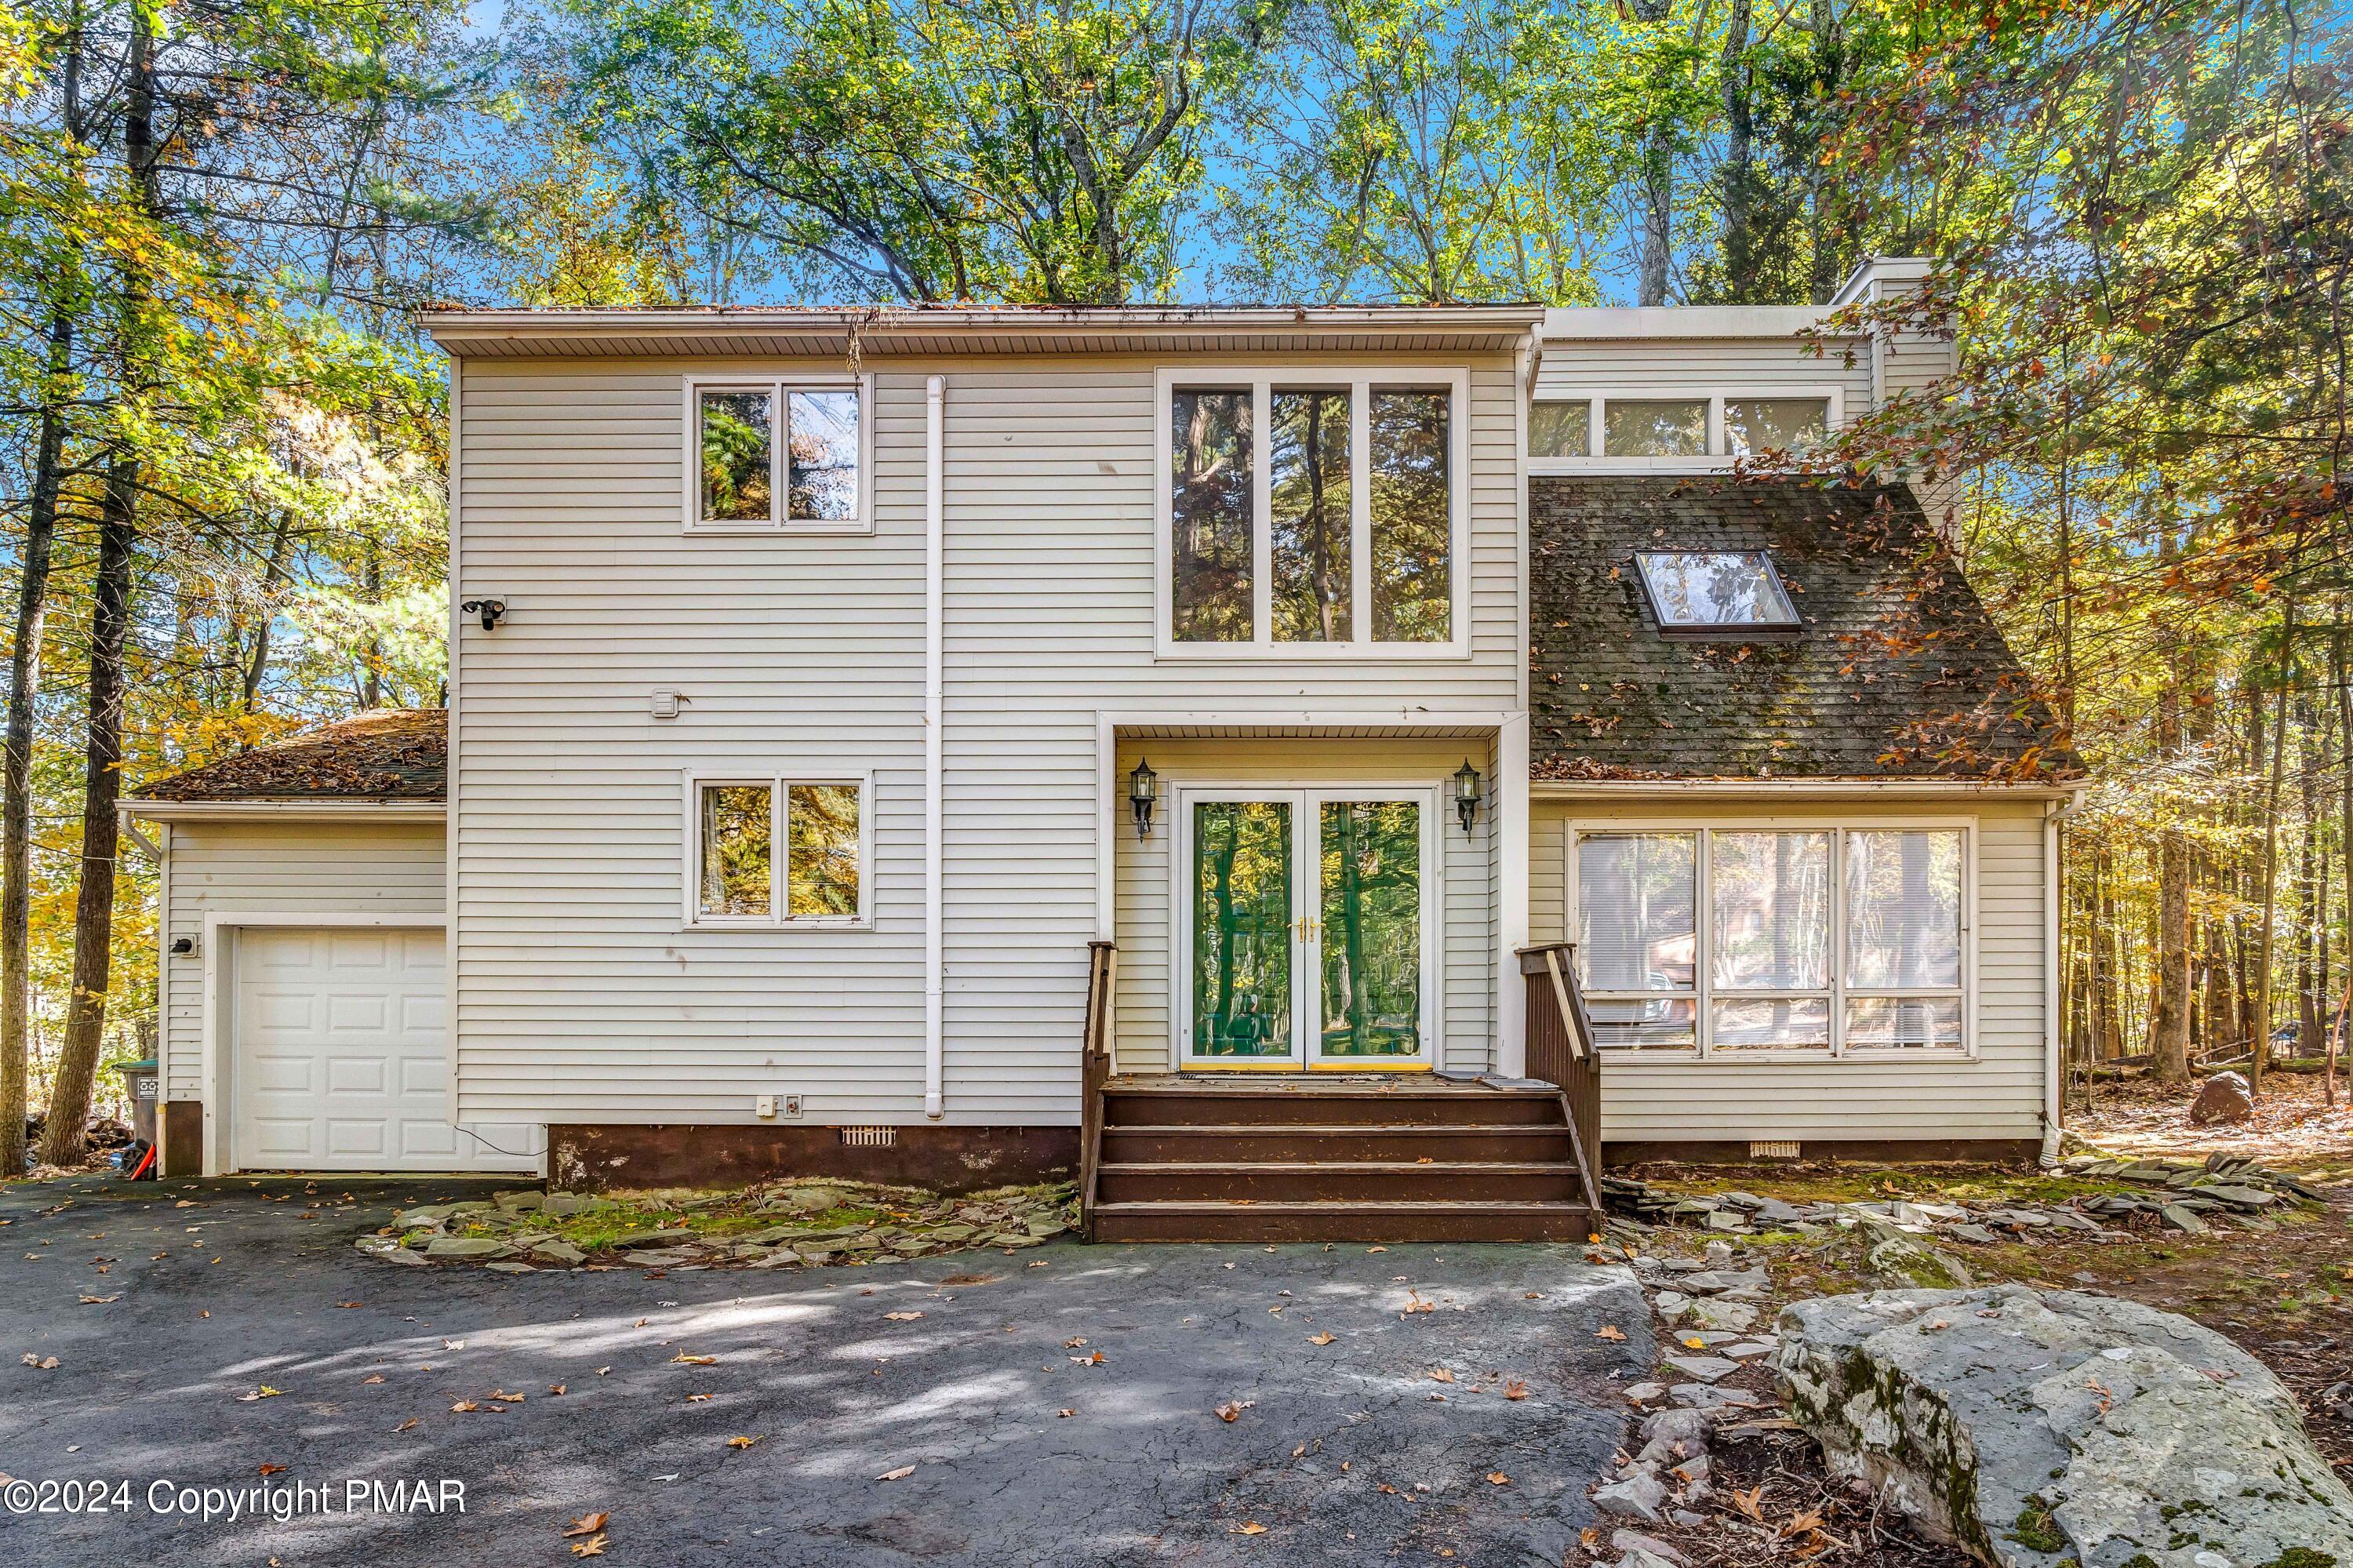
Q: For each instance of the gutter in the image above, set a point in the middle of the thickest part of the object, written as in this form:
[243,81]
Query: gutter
[934,743]
[382,810]
[1572,788]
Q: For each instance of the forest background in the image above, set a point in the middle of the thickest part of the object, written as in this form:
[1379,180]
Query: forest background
[222,441]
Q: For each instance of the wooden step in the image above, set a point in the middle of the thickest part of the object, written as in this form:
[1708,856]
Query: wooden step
[1405,1142]
[1366,1221]
[1293,1102]
[1338,1180]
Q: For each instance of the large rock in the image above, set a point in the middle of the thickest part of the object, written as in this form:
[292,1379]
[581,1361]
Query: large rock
[2224,1097]
[2033,1429]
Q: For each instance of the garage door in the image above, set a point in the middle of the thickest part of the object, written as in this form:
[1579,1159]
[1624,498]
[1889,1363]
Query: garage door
[342,1058]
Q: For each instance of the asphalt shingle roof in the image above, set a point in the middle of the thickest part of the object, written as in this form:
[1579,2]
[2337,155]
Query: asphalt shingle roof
[393,754]
[1897,673]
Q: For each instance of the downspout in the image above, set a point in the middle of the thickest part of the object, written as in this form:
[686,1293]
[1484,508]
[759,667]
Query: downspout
[2052,1070]
[934,744]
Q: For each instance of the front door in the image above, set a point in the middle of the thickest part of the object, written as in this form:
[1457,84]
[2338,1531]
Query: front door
[1306,928]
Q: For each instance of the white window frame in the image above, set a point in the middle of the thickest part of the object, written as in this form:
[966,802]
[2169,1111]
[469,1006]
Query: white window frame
[1718,458]
[1361,381]
[779,461]
[780,851]
[1703,992]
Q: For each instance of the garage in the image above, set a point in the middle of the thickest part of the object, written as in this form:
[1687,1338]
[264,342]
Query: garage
[341,1056]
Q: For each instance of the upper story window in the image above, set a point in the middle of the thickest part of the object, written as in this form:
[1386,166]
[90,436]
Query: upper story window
[1715,591]
[1650,430]
[788,454]
[1823,939]
[1312,512]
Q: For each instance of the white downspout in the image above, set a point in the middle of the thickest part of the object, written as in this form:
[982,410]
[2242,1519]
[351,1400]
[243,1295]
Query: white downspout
[934,744]
[2052,1070]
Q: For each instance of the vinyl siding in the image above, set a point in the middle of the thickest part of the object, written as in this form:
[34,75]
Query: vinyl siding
[1697,366]
[581,995]
[1147,906]
[1999,1094]
[327,868]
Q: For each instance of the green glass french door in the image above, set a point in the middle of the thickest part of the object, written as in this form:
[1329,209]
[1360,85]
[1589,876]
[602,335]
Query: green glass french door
[1306,928]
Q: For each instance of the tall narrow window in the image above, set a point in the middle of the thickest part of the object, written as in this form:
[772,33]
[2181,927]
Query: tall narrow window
[737,466]
[821,840]
[822,443]
[736,828]
[1904,938]
[1770,975]
[1211,507]
[1413,519]
[1637,936]
[1312,523]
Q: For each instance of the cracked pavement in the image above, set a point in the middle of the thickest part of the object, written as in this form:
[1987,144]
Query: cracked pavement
[1349,1452]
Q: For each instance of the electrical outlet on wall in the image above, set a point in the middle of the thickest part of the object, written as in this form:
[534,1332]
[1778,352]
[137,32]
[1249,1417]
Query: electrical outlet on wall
[764,1107]
[792,1105]
[767,1107]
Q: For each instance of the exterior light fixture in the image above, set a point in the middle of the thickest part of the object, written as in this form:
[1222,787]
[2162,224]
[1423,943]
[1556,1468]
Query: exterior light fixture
[1466,794]
[490,610]
[1143,793]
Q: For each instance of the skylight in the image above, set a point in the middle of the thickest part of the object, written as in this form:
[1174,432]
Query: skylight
[1715,590]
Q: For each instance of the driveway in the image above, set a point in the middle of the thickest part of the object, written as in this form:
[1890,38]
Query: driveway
[1055,1406]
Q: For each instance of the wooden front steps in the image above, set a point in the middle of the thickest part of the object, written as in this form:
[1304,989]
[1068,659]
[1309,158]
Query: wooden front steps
[1331,1158]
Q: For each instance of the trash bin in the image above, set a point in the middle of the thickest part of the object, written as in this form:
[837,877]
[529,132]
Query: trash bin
[140,1081]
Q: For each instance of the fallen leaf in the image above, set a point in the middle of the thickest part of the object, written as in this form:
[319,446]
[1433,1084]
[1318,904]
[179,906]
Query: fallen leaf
[1414,1303]
[509,1398]
[264,1392]
[555,1388]
[592,1546]
[1693,1343]
[1069,1344]
[1066,1412]
[1612,1332]
[406,1425]
[587,1524]
[1440,1374]
[98,1300]
[1248,1526]
[901,1317]
[900,1474]
[1324,1338]
[1514,1389]
[464,1407]
[1750,1502]
[1371,1249]
[373,1377]
[742,1441]
[272,1470]
[1939,1323]
[351,1303]
[602,1371]
[1232,1410]
[45,1363]
[1497,1478]
[698,1399]
[682,1359]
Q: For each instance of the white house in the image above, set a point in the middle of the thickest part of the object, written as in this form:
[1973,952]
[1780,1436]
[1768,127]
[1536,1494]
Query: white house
[813,672]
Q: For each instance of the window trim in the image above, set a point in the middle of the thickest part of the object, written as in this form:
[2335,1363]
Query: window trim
[1718,457]
[1360,379]
[691,913]
[1703,993]
[777,388]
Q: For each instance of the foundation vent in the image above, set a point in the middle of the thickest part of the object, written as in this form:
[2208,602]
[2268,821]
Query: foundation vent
[884,1137]
[1772,1151]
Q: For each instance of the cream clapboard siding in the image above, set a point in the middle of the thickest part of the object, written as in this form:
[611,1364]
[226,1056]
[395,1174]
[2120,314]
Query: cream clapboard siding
[1147,907]
[309,867]
[1697,366]
[1998,1095]
[581,997]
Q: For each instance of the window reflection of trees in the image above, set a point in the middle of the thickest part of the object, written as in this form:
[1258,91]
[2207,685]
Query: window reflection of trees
[1211,512]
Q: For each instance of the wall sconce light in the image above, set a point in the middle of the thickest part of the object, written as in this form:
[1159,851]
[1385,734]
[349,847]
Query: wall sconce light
[1143,793]
[490,610]
[1466,794]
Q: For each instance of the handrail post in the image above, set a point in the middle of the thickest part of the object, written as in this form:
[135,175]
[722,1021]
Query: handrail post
[1094,1070]
[1561,1052]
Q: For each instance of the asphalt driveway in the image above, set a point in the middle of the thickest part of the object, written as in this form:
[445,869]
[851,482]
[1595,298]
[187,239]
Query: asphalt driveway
[1055,1406]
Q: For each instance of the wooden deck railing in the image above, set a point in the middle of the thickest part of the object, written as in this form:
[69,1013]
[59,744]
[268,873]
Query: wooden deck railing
[1560,1052]
[1094,1068]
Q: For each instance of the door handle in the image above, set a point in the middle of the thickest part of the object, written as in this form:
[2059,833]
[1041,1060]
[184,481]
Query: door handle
[1304,927]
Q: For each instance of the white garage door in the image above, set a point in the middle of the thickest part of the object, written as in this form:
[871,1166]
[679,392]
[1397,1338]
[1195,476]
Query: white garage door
[342,1059]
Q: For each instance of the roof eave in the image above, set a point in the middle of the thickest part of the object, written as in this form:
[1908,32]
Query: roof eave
[372,809]
[1846,788]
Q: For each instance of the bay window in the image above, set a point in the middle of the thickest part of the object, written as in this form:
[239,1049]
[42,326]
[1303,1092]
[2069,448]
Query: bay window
[1740,940]
[1311,512]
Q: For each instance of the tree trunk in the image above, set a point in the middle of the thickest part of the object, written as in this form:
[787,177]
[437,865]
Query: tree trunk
[2270,890]
[1739,242]
[1658,192]
[69,1094]
[17,761]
